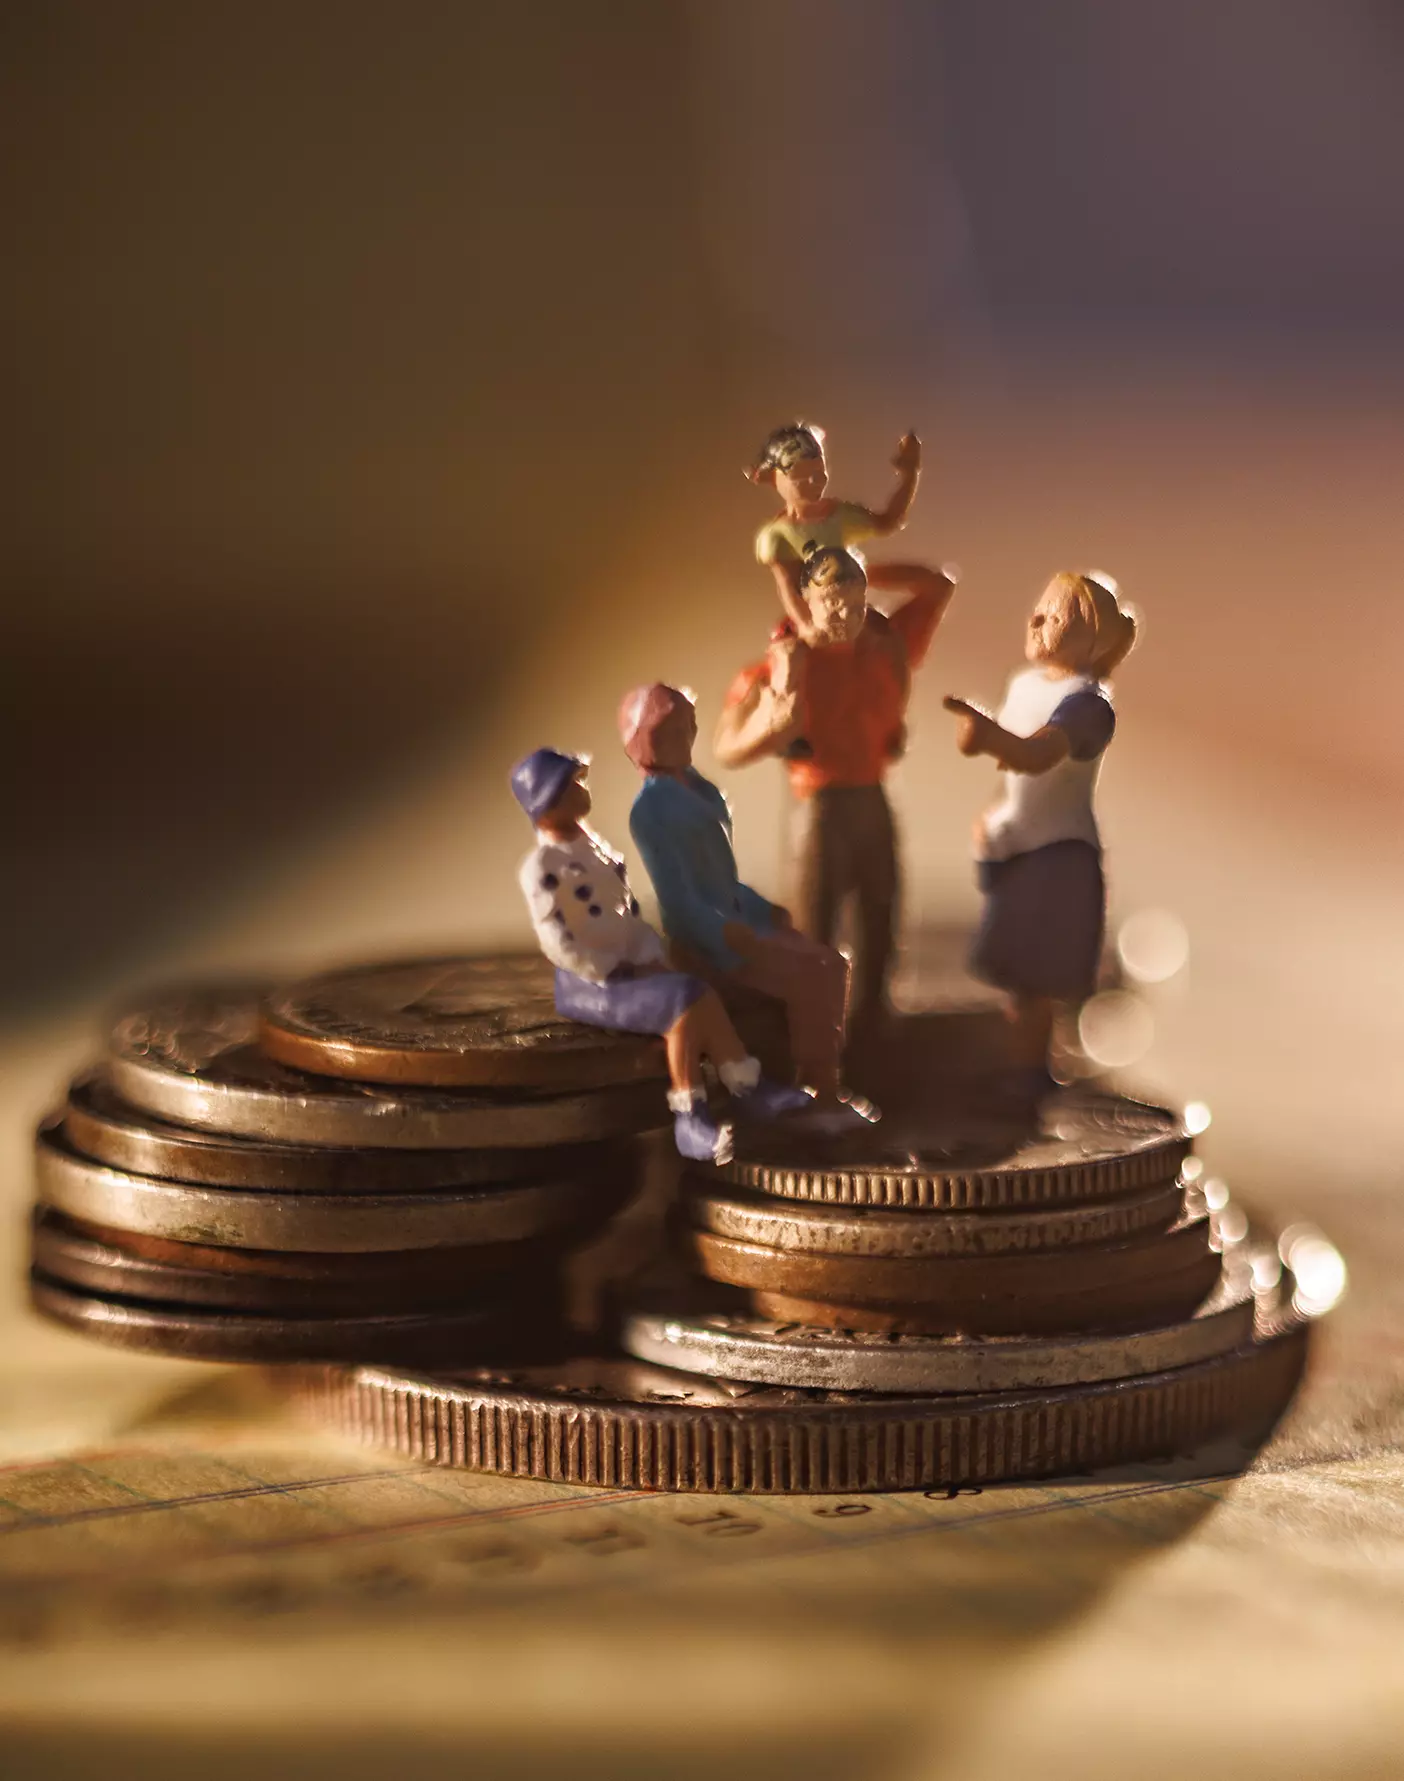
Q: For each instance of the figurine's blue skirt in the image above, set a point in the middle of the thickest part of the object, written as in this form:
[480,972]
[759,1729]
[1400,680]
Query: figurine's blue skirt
[649,1004]
[1041,930]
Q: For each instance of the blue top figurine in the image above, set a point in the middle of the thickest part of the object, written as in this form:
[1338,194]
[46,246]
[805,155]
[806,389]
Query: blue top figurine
[715,924]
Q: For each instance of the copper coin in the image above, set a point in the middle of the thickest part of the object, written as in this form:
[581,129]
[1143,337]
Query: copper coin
[632,1426]
[449,1023]
[1102,1286]
[92,1260]
[799,1227]
[1085,1145]
[101,1125]
[424,1338]
[226,1217]
[734,1346]
[190,1055]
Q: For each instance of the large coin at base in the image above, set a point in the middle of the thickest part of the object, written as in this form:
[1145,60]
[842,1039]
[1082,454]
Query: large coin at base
[118,1264]
[101,1125]
[483,1333]
[448,1023]
[631,1426]
[225,1217]
[1148,1279]
[190,1056]
[948,1156]
[726,1345]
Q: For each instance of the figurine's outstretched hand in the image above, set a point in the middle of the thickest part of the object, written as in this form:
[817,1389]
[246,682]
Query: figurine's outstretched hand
[908,454]
[976,731]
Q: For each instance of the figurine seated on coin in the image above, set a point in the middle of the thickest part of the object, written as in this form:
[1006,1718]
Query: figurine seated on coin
[1038,850]
[611,969]
[834,708]
[716,925]
[792,463]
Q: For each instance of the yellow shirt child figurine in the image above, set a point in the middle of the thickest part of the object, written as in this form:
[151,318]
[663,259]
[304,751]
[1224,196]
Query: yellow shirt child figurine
[792,462]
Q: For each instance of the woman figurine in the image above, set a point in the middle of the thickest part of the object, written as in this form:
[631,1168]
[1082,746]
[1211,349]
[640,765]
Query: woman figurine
[611,970]
[1038,851]
[792,463]
[681,825]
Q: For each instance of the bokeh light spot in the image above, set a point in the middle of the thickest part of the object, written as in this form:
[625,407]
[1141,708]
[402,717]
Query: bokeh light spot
[1115,1028]
[1197,1117]
[1153,944]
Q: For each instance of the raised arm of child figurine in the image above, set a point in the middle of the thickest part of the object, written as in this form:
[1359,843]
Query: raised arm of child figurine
[978,733]
[907,463]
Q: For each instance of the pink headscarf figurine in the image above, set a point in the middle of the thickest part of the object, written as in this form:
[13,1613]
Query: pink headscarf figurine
[716,924]
[642,712]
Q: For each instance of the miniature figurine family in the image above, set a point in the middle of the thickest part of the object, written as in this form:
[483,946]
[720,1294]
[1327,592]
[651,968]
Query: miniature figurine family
[830,698]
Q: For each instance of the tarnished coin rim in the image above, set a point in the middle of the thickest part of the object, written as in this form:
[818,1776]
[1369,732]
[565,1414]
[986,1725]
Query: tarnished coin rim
[962,1279]
[289,1033]
[813,1228]
[859,1184]
[231,1336]
[829,1442]
[389,1121]
[126,1137]
[261,1220]
[759,1351]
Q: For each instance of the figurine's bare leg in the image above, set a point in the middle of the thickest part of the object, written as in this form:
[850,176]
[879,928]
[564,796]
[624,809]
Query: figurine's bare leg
[703,1030]
[1031,1020]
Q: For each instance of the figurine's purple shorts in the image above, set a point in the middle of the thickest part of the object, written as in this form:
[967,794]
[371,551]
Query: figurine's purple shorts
[1041,931]
[653,1003]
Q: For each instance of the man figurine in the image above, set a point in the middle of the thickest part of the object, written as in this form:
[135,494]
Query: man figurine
[834,707]
[681,825]
[611,970]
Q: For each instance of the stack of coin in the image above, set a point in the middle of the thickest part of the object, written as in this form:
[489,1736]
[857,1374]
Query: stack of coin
[388,1162]
[955,1301]
[943,1221]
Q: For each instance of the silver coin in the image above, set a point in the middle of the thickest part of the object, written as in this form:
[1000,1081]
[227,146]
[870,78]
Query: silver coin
[947,1155]
[802,1357]
[342,1222]
[190,1055]
[797,1227]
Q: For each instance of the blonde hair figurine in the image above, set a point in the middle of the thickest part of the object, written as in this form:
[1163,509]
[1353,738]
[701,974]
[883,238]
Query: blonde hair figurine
[1038,851]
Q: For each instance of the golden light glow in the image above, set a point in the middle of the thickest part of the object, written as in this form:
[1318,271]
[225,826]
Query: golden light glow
[1197,1117]
[1317,1265]
[1115,1028]
[1153,944]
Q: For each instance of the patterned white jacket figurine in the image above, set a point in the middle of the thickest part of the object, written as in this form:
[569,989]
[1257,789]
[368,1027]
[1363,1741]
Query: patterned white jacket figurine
[611,968]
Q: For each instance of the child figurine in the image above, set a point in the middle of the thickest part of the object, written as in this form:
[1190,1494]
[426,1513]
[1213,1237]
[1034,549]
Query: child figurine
[835,709]
[1038,851]
[792,463]
[681,825]
[610,965]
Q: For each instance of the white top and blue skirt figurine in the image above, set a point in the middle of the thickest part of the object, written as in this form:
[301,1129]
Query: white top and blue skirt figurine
[1038,850]
[611,967]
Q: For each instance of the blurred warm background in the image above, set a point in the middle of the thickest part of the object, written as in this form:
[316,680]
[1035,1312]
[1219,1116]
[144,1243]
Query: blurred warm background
[380,380]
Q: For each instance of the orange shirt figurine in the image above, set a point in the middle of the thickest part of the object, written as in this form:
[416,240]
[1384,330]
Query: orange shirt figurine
[833,706]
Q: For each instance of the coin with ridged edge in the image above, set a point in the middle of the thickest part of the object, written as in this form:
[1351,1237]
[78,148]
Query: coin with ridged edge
[628,1425]
[225,1217]
[804,1228]
[946,1155]
[448,1023]
[1099,1286]
[101,1125]
[727,1345]
[190,1055]
[485,1331]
